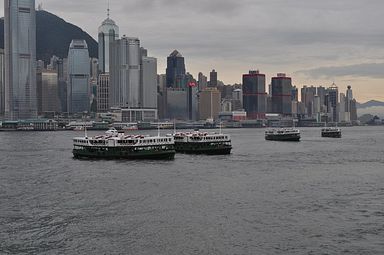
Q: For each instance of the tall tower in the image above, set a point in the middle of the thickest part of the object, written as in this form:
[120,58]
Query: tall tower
[213,79]
[175,70]
[282,94]
[108,32]
[78,91]
[20,59]
[124,89]
[254,95]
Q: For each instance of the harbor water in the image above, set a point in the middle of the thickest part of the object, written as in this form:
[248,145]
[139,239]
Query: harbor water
[318,196]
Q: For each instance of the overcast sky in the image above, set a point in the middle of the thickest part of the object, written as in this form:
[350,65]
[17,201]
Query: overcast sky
[315,42]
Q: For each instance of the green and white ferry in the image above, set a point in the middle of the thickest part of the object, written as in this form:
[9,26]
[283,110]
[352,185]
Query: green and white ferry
[202,143]
[115,145]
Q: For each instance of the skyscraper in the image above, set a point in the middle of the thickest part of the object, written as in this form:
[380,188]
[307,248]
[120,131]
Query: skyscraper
[254,95]
[175,70]
[108,33]
[148,82]
[103,93]
[78,91]
[307,98]
[332,102]
[125,73]
[213,79]
[282,94]
[2,83]
[210,104]
[203,83]
[20,59]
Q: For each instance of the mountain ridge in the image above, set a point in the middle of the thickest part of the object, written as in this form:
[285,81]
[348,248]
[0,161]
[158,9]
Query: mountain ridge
[54,35]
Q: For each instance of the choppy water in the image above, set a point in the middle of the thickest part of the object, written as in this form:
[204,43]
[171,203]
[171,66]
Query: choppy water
[319,196]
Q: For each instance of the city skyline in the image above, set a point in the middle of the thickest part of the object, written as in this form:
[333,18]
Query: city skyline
[314,43]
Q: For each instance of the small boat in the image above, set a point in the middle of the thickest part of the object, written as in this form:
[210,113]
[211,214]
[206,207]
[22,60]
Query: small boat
[115,145]
[283,134]
[130,128]
[202,143]
[331,132]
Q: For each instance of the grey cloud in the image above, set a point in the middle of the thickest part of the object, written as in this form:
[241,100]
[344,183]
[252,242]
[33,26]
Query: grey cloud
[370,70]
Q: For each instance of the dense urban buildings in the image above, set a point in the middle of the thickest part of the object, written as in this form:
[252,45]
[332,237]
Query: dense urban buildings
[78,90]
[254,95]
[20,59]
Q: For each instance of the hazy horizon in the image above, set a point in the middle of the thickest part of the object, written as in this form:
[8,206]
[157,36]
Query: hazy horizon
[314,43]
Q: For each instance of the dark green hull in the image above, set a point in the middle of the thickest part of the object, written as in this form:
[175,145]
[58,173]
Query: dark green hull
[202,148]
[118,153]
[283,138]
[331,134]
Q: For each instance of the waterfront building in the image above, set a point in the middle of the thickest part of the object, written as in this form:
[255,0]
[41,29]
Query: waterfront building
[78,90]
[148,82]
[213,79]
[2,83]
[210,104]
[175,70]
[20,59]
[254,95]
[103,93]
[125,73]
[281,94]
[344,116]
[353,110]
[317,108]
[62,76]
[108,33]
[177,104]
[50,92]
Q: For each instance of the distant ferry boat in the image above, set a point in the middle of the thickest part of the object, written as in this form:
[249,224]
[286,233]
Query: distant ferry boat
[115,145]
[202,143]
[283,134]
[332,132]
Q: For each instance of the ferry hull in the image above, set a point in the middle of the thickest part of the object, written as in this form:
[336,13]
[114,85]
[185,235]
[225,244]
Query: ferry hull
[283,138]
[118,154]
[331,134]
[198,148]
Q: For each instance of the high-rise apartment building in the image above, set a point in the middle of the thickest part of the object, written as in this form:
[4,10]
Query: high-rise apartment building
[254,95]
[108,33]
[78,88]
[281,95]
[125,73]
[20,59]
[176,70]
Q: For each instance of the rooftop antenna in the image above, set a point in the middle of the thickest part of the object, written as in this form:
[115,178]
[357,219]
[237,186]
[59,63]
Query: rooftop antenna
[108,10]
